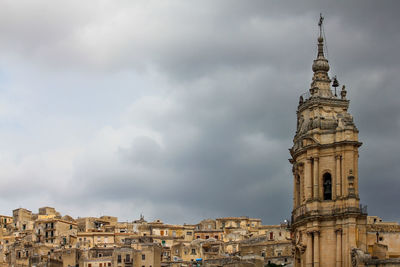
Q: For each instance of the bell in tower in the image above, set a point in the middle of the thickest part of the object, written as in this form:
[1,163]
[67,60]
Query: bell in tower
[327,219]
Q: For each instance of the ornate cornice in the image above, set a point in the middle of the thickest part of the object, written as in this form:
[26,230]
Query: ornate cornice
[304,149]
[324,101]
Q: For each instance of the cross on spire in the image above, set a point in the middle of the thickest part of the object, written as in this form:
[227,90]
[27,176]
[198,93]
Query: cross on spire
[321,20]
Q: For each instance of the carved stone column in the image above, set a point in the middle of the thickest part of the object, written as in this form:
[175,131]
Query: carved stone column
[316,248]
[307,177]
[316,179]
[338,177]
[338,247]
[301,173]
[309,250]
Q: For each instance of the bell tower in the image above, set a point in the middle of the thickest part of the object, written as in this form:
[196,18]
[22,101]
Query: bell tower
[327,218]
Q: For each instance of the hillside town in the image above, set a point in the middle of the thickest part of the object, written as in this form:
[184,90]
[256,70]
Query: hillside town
[48,238]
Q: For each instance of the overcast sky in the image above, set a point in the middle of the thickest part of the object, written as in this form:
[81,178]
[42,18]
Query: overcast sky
[185,110]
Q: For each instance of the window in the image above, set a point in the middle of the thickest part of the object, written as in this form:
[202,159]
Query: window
[119,258]
[207,237]
[271,235]
[193,251]
[127,258]
[70,227]
[188,233]
[143,257]
[216,237]
[327,183]
[89,265]
[198,237]
[109,264]
[23,226]
[101,265]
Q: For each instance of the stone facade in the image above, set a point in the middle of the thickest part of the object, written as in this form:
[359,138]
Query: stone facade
[327,219]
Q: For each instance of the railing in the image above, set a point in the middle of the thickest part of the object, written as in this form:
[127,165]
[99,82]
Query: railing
[307,95]
[303,211]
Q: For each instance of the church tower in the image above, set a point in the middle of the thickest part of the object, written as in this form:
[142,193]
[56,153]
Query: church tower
[327,218]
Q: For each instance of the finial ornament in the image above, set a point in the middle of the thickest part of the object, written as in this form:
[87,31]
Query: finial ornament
[343,92]
[335,83]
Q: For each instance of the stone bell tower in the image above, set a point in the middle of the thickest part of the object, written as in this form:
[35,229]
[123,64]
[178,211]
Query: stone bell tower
[327,218]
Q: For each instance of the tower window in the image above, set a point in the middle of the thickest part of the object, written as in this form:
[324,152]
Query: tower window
[327,186]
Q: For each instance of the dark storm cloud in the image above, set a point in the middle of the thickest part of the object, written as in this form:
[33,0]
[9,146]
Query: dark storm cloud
[212,140]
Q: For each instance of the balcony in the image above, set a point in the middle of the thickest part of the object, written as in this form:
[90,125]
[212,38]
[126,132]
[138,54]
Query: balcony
[303,212]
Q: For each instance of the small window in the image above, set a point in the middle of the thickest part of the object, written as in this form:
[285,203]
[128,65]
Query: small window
[143,257]
[207,237]
[188,233]
[327,183]
[70,227]
[119,259]
[127,258]
[193,251]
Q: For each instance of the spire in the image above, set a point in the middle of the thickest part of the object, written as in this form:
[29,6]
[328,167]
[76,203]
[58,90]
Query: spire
[320,85]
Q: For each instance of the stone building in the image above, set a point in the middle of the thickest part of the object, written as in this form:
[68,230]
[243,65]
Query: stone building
[327,218]
[329,225]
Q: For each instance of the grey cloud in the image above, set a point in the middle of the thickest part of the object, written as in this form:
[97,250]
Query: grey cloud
[230,74]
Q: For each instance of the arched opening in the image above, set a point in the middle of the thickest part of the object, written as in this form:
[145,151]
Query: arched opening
[327,186]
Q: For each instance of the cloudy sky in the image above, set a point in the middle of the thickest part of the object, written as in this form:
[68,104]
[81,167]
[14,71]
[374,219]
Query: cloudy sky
[185,110]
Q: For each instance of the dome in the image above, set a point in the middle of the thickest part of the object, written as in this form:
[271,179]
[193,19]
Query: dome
[320,64]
